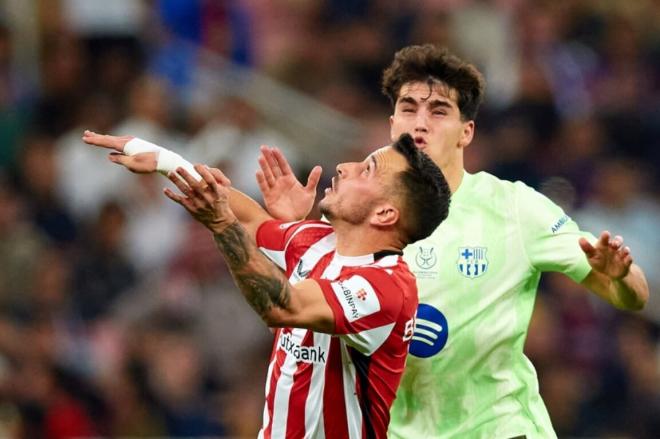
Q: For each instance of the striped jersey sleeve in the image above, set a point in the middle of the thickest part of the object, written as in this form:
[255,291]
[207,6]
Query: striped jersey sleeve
[284,243]
[367,305]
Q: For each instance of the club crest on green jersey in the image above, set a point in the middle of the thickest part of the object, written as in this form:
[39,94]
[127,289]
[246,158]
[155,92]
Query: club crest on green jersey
[472,261]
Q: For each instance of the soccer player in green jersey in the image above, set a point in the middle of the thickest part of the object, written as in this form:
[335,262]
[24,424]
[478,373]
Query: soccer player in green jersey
[478,273]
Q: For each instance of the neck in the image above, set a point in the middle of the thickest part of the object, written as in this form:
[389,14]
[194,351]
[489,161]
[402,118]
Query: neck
[355,240]
[453,173]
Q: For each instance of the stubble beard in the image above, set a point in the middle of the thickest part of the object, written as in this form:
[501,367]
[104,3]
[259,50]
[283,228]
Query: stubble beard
[355,217]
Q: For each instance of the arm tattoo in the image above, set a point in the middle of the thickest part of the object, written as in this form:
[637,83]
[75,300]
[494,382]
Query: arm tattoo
[261,282]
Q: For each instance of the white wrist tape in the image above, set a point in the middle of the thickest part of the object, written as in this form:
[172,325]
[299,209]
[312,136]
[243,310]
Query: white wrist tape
[137,145]
[167,161]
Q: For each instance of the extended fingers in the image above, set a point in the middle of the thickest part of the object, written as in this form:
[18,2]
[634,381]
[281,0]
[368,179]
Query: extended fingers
[604,239]
[210,180]
[616,242]
[266,170]
[179,199]
[92,138]
[313,179]
[106,141]
[220,177]
[281,161]
[180,183]
[272,161]
[586,247]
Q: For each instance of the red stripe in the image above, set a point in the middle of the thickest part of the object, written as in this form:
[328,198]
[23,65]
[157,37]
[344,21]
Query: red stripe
[270,398]
[335,422]
[300,243]
[302,378]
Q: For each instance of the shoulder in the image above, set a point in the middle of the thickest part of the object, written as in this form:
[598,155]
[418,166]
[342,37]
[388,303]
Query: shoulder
[485,186]
[390,275]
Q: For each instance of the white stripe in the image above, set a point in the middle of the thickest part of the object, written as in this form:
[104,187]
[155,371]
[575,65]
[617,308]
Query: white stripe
[314,403]
[313,255]
[369,340]
[429,323]
[277,256]
[269,374]
[353,411]
[283,388]
[426,332]
[388,261]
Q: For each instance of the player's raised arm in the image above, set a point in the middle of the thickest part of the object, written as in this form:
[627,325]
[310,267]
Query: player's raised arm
[143,157]
[285,197]
[211,202]
[613,275]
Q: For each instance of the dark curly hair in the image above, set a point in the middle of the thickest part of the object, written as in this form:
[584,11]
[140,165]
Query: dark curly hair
[430,63]
[425,192]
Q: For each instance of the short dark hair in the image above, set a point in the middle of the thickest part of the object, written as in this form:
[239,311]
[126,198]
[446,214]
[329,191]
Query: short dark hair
[427,63]
[425,190]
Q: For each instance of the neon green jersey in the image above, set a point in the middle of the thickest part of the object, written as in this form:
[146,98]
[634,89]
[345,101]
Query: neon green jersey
[466,375]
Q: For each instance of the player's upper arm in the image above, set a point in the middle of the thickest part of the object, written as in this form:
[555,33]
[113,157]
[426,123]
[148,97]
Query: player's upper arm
[307,308]
[367,306]
[550,237]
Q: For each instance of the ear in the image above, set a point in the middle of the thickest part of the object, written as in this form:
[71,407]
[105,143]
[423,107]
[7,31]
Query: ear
[467,134]
[392,127]
[384,215]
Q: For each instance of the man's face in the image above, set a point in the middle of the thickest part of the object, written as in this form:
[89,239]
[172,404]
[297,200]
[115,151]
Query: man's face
[430,114]
[360,187]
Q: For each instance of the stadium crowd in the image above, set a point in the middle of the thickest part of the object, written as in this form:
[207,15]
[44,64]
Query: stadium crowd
[117,315]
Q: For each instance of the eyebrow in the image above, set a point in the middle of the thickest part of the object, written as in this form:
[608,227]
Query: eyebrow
[432,104]
[438,103]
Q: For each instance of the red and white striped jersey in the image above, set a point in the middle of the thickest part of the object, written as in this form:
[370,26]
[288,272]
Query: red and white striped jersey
[339,385]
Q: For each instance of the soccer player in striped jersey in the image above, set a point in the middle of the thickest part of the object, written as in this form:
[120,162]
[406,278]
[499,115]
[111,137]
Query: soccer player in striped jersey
[341,297]
[467,375]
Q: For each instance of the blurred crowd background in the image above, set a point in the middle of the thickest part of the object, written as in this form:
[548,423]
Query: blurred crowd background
[117,315]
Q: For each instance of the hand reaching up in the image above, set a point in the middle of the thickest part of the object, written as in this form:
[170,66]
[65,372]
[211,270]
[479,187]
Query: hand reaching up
[284,196]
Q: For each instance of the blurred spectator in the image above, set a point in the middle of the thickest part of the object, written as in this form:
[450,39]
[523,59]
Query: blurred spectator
[13,103]
[63,84]
[231,141]
[20,245]
[77,162]
[104,274]
[39,178]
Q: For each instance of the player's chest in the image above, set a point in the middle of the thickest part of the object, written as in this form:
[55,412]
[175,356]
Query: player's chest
[464,253]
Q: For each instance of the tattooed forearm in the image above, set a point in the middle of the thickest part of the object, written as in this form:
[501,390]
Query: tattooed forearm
[261,282]
[264,291]
[232,243]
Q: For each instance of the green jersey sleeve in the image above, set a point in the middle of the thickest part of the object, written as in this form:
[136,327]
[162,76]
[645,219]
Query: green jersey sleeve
[550,237]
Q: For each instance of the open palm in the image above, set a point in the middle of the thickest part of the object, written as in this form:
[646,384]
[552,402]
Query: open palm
[608,256]
[284,196]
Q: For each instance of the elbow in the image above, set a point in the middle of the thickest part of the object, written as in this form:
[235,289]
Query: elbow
[276,318]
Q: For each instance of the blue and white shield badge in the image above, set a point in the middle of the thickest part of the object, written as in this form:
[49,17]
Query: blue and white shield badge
[472,261]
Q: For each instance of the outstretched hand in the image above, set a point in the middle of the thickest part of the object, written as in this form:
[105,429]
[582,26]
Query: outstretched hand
[608,256]
[142,163]
[205,200]
[284,196]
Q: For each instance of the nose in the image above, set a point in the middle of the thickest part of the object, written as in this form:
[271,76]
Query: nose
[344,169]
[421,122]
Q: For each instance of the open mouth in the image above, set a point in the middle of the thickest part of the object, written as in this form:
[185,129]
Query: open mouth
[420,142]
